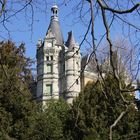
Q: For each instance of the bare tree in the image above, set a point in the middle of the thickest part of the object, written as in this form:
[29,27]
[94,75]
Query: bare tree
[113,13]
[123,16]
[12,11]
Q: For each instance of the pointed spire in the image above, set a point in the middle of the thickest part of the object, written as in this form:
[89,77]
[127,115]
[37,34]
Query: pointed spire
[54,26]
[70,42]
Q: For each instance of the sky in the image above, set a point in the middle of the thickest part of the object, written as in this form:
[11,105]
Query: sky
[27,27]
[20,30]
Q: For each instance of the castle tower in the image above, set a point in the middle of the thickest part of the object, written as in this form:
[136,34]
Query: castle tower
[49,56]
[72,68]
[58,65]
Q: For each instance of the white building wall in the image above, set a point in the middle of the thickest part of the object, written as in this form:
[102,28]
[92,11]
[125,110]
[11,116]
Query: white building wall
[45,78]
[72,74]
[66,64]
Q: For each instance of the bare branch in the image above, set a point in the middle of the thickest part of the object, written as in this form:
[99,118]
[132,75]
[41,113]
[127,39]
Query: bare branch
[116,122]
[3,4]
[118,11]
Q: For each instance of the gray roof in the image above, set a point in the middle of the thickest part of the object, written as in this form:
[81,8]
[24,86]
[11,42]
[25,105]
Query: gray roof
[70,42]
[84,61]
[54,27]
[89,65]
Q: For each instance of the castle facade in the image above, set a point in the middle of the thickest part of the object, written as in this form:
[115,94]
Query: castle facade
[58,64]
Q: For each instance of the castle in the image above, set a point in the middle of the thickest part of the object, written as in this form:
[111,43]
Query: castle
[58,63]
[61,72]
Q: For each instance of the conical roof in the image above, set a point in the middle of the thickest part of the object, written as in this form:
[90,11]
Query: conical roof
[54,26]
[70,41]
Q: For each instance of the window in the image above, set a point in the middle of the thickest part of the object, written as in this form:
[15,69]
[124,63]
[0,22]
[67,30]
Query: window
[49,89]
[51,57]
[47,58]
[64,67]
[49,68]
[77,81]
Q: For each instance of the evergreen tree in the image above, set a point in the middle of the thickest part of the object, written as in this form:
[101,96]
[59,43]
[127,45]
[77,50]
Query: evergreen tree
[16,108]
[96,109]
[50,122]
[20,117]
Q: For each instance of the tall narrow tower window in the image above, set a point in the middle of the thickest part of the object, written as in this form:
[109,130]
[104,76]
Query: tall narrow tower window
[77,81]
[49,89]
[51,58]
[49,68]
[47,58]
[63,67]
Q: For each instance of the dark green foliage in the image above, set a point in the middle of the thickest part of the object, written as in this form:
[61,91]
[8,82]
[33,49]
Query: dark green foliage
[97,107]
[16,108]
[20,117]
[138,103]
[89,118]
[51,121]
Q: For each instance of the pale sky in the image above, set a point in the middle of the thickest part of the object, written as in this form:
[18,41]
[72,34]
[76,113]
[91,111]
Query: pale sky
[19,25]
[20,29]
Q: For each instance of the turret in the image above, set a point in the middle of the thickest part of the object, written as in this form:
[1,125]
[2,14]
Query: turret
[72,68]
[54,27]
[49,60]
[58,65]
